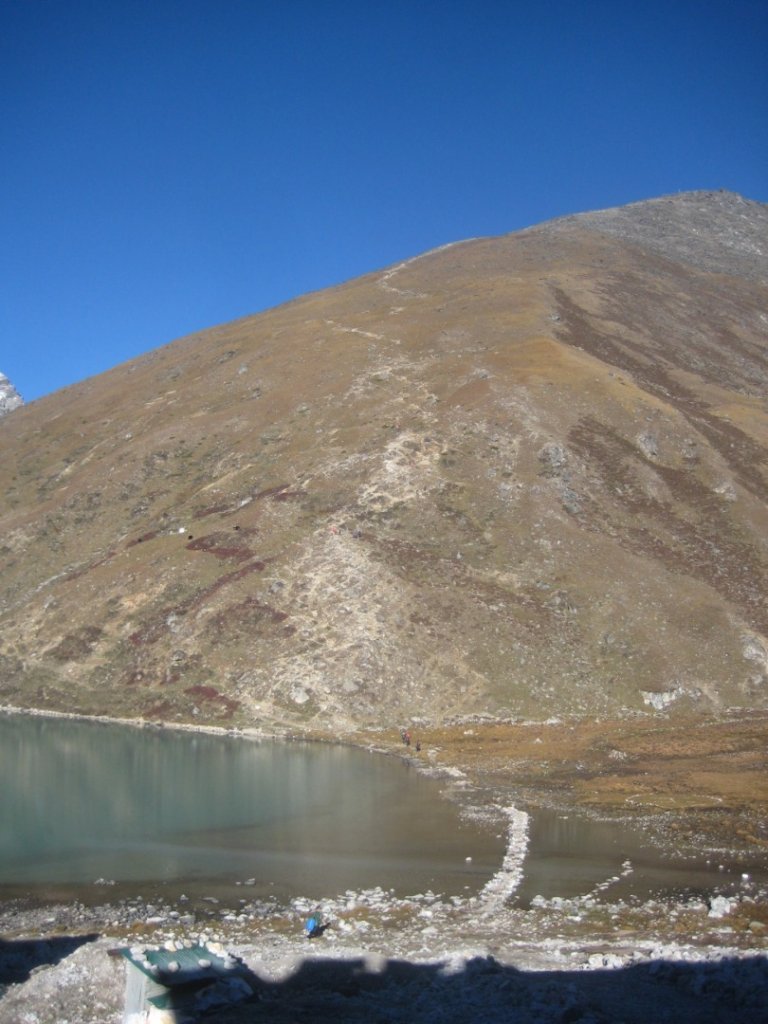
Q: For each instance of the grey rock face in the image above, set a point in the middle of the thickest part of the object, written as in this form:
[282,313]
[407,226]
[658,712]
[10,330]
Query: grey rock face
[721,232]
[9,397]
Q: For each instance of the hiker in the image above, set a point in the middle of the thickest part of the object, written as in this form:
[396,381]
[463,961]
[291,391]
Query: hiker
[407,738]
[312,927]
[418,746]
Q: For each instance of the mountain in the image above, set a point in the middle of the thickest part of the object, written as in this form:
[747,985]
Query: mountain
[9,397]
[516,477]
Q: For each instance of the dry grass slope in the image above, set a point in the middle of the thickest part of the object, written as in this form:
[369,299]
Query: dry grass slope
[518,477]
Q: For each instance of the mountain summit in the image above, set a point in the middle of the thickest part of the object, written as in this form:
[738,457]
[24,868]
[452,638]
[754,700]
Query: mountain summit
[518,477]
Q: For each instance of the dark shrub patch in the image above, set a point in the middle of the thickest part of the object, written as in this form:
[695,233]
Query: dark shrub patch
[220,545]
[78,645]
[145,536]
[209,695]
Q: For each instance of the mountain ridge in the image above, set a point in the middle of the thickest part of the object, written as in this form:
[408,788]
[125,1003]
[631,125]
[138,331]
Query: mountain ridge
[736,229]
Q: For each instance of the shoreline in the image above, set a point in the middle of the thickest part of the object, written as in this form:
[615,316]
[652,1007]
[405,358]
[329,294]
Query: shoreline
[699,954]
[465,773]
[138,723]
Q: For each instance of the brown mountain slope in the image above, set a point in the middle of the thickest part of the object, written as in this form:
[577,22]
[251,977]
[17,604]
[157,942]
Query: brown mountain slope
[519,476]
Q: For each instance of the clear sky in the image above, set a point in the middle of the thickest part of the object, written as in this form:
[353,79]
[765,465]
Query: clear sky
[168,165]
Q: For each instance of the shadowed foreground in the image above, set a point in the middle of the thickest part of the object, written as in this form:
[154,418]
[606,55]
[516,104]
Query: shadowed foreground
[74,979]
[22,956]
[481,989]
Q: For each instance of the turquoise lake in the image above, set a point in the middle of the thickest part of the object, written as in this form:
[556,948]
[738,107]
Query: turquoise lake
[156,811]
[83,802]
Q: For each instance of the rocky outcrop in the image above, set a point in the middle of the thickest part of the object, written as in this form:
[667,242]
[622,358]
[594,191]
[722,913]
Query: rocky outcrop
[9,397]
[717,231]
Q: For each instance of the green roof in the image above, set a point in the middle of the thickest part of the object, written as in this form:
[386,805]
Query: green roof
[172,967]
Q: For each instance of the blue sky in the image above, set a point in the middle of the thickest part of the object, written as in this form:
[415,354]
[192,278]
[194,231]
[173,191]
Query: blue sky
[167,165]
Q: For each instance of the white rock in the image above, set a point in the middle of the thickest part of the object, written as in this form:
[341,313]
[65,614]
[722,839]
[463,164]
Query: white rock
[720,906]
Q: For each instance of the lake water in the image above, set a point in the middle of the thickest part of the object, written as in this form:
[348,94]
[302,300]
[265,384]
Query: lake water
[195,813]
[85,801]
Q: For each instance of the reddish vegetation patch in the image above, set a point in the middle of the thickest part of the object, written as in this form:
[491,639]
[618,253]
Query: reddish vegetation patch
[77,573]
[151,631]
[203,692]
[161,710]
[256,566]
[278,493]
[270,492]
[213,510]
[217,544]
[253,603]
[145,536]
[78,645]
[210,695]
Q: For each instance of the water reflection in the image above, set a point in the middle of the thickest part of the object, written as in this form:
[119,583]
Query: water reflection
[82,801]
[571,856]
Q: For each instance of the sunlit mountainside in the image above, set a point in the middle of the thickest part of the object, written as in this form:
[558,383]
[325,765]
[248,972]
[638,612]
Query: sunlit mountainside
[521,476]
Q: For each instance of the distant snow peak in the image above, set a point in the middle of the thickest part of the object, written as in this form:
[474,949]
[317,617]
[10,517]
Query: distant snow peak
[10,398]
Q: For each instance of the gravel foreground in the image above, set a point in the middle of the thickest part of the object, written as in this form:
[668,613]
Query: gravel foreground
[427,958]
